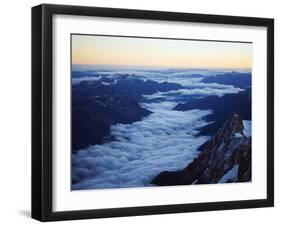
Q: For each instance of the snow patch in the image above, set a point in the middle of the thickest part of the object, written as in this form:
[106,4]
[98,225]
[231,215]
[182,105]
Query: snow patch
[238,135]
[247,128]
[231,175]
[194,182]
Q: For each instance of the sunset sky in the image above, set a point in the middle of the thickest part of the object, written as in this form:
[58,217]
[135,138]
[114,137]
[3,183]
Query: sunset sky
[107,50]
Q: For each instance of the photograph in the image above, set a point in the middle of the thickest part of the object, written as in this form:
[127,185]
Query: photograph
[144,112]
[152,111]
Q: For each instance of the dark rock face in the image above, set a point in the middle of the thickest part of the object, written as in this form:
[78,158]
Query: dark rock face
[92,117]
[225,158]
[241,80]
[221,108]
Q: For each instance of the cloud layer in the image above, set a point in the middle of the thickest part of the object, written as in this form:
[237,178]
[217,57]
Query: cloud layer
[165,140]
[171,95]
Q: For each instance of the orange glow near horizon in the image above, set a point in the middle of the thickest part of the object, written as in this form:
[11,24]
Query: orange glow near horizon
[111,50]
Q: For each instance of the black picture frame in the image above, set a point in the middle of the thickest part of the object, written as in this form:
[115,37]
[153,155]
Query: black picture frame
[42,106]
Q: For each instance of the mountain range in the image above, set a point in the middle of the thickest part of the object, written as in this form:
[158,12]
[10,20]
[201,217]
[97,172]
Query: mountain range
[124,85]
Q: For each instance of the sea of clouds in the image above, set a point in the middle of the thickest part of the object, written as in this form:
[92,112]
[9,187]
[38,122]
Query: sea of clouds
[165,140]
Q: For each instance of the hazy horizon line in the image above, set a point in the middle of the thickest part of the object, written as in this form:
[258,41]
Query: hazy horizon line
[162,67]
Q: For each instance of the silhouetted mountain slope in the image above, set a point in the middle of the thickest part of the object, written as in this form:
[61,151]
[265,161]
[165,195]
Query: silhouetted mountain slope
[222,107]
[225,158]
[92,117]
[122,85]
[241,80]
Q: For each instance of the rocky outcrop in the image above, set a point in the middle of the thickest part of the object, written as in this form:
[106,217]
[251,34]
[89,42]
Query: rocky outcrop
[225,158]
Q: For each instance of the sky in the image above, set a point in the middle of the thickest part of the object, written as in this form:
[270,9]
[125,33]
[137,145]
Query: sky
[116,50]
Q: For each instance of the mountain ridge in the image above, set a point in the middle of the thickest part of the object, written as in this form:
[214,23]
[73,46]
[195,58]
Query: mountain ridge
[225,158]
[221,107]
[93,116]
[237,79]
